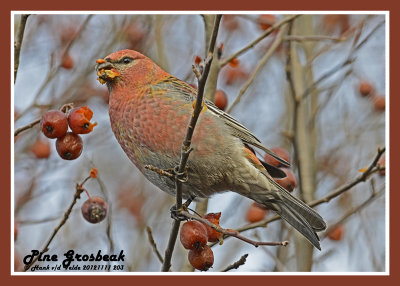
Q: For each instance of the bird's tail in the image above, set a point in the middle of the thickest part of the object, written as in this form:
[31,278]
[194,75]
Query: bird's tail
[303,218]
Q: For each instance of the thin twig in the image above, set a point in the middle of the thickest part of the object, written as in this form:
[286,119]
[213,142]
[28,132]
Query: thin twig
[79,191]
[256,41]
[260,65]
[159,171]
[65,108]
[26,127]
[185,150]
[231,232]
[353,211]
[237,264]
[373,168]
[18,43]
[314,38]
[362,178]
[153,244]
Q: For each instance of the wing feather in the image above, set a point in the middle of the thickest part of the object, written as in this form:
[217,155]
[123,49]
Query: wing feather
[172,84]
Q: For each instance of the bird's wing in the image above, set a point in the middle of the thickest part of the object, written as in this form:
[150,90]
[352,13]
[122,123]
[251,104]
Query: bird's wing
[173,84]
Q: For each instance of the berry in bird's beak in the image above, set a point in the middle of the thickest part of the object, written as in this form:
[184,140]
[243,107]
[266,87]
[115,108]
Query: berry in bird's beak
[106,71]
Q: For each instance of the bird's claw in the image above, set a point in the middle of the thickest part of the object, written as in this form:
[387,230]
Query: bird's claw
[180,176]
[176,213]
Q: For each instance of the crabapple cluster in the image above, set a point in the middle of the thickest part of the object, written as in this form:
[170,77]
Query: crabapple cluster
[54,125]
[194,236]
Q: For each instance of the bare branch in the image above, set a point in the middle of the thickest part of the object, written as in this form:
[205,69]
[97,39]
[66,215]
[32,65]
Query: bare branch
[77,195]
[237,264]
[372,169]
[18,43]
[354,210]
[231,232]
[314,38]
[256,41]
[26,127]
[261,63]
[153,244]
[185,151]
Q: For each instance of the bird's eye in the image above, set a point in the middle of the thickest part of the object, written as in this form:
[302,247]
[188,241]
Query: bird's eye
[126,60]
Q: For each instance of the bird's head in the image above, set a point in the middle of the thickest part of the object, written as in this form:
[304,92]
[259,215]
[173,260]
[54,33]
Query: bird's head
[125,66]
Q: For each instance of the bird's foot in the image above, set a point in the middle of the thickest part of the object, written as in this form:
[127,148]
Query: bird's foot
[176,214]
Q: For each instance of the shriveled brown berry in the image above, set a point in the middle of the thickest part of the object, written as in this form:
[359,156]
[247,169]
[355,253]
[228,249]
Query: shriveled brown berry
[41,148]
[54,124]
[284,154]
[337,233]
[212,234]
[289,182]
[70,146]
[94,210]
[365,88]
[221,99]
[79,120]
[201,259]
[193,235]
[255,213]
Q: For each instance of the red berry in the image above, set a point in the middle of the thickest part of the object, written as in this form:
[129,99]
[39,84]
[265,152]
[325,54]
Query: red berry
[70,146]
[379,103]
[41,149]
[67,62]
[213,235]
[79,120]
[266,21]
[365,88]
[201,259]
[197,60]
[289,182]
[54,124]
[255,213]
[94,210]
[221,99]
[284,154]
[234,62]
[193,235]
[337,233]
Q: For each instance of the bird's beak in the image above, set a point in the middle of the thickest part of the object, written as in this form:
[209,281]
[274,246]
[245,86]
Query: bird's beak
[106,71]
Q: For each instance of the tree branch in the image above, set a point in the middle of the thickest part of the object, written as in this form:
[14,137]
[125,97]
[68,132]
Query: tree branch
[373,168]
[153,244]
[77,195]
[261,63]
[185,150]
[256,41]
[237,264]
[18,43]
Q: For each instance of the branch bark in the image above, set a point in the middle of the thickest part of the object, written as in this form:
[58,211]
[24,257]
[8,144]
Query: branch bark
[185,151]
[18,43]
